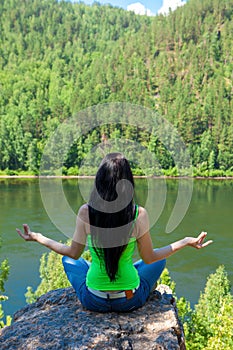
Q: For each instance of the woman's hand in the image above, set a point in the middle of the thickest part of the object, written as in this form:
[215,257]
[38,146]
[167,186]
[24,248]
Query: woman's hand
[198,242]
[27,235]
[74,250]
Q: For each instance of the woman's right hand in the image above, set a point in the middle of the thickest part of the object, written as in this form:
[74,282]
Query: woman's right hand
[198,242]
[27,235]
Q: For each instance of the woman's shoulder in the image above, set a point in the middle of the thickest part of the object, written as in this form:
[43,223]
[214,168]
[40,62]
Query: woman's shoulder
[83,212]
[142,213]
[142,223]
[84,208]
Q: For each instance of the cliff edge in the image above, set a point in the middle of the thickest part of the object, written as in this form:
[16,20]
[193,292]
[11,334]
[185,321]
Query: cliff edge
[58,321]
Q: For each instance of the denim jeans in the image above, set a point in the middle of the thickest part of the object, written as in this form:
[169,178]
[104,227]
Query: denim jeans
[76,271]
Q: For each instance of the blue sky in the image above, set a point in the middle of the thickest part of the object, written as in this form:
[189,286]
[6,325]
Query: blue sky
[152,5]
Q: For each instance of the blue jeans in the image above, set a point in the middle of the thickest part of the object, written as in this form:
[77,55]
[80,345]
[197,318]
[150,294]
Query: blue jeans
[76,271]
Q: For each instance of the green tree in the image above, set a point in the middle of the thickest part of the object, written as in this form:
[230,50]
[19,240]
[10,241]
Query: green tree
[58,58]
[212,319]
[210,324]
[52,275]
[4,272]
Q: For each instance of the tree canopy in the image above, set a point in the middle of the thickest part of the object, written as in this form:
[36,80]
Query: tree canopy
[58,58]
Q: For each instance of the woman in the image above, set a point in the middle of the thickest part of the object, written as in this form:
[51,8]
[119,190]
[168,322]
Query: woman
[112,225]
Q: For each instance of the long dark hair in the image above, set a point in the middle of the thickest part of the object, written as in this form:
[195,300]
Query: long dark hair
[111,210]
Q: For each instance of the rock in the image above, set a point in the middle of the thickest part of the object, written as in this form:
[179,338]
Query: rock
[58,321]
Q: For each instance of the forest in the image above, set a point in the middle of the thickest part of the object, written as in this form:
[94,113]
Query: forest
[58,58]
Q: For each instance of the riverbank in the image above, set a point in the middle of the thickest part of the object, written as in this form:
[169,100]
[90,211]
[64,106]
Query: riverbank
[152,172]
[135,176]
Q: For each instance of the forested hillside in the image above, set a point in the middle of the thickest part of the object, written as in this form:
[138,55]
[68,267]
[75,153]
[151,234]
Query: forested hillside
[57,58]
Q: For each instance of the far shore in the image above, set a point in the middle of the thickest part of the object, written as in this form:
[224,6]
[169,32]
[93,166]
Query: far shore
[135,176]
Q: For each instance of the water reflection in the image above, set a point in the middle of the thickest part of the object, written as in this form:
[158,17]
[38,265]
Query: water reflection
[210,210]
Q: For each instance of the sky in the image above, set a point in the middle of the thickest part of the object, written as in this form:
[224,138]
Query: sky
[149,7]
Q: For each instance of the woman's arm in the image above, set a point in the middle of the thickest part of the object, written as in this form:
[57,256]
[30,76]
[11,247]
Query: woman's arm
[145,245]
[77,244]
[73,251]
[149,255]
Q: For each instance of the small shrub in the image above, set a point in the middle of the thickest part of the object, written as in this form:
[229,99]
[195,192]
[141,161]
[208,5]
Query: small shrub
[4,272]
[52,275]
[73,171]
[212,320]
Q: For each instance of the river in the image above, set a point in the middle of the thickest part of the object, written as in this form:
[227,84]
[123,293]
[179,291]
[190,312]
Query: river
[210,209]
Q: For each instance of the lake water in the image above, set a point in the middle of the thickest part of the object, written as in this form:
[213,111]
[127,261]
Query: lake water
[210,210]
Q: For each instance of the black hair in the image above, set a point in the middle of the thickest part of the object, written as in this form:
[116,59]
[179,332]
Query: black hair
[111,210]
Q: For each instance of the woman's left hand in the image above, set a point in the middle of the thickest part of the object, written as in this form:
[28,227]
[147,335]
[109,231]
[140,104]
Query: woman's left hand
[27,235]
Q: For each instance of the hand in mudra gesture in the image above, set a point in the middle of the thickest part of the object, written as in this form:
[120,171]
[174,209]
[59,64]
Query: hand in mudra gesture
[27,235]
[198,242]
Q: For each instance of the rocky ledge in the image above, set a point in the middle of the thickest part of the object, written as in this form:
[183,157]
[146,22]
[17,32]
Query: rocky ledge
[58,321]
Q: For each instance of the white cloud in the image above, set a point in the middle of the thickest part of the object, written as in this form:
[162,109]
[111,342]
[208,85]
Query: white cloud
[139,9]
[170,4]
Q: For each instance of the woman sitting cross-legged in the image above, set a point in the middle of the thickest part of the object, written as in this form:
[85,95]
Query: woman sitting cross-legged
[112,225]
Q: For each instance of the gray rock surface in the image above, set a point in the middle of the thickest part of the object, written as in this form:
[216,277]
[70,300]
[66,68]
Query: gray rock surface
[58,321]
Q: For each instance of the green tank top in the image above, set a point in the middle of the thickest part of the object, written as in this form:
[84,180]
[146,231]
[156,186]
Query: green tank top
[127,276]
